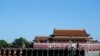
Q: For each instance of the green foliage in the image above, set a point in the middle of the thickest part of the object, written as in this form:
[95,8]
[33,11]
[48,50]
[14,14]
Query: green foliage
[17,43]
[3,44]
[20,43]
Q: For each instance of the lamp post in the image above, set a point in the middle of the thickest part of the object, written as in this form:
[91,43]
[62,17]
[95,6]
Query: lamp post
[89,45]
[70,44]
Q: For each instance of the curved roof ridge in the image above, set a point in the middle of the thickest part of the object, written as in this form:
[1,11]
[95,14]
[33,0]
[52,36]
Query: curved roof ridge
[70,32]
[69,29]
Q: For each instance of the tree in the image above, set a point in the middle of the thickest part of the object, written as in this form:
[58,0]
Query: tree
[3,44]
[20,43]
[31,45]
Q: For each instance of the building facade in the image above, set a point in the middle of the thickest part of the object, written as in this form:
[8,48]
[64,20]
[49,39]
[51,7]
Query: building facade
[66,38]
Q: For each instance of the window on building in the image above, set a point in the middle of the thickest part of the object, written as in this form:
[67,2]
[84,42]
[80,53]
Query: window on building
[44,41]
[41,41]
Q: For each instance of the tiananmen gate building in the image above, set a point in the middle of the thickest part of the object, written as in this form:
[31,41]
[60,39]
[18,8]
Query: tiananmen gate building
[67,38]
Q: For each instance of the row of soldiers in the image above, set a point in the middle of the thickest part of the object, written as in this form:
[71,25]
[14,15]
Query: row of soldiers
[42,52]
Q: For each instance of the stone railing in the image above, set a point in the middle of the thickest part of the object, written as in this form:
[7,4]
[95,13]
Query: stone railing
[41,52]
